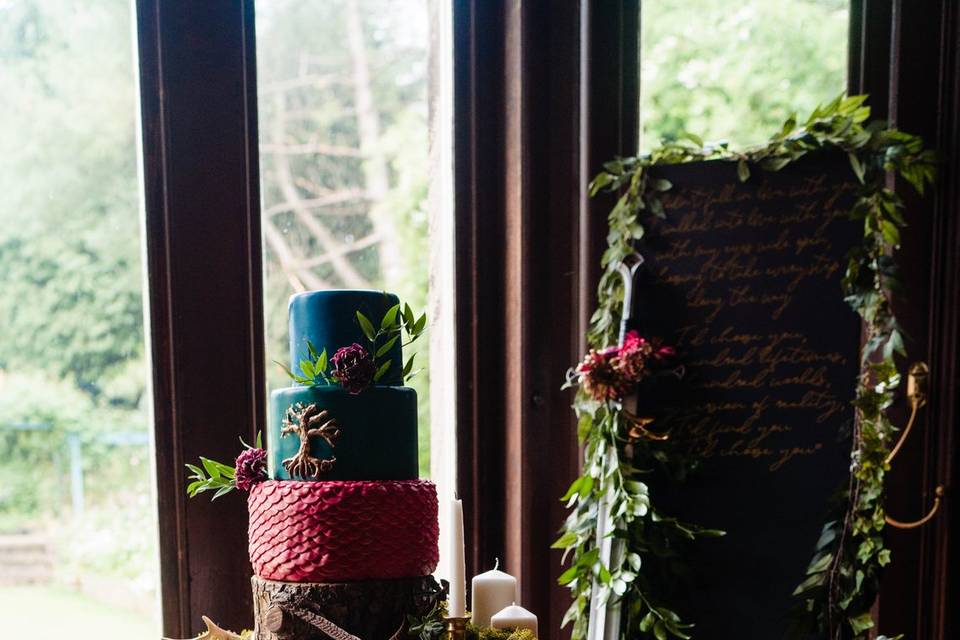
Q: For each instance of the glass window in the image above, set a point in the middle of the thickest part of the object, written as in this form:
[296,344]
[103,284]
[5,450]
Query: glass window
[77,513]
[351,173]
[735,71]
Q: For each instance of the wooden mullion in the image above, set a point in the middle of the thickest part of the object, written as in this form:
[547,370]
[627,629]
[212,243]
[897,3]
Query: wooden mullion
[204,289]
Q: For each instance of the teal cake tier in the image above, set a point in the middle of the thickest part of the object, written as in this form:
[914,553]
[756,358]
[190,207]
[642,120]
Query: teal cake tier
[375,439]
[328,319]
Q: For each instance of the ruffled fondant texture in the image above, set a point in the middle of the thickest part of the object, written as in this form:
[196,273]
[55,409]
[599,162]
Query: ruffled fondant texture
[341,531]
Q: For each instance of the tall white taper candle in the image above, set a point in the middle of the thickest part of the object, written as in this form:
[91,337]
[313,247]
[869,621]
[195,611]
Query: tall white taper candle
[457,602]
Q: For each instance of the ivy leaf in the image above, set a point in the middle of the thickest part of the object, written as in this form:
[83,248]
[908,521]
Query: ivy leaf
[861,623]
[382,370]
[366,326]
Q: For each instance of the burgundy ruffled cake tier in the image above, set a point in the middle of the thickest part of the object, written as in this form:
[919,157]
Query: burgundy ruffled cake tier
[341,531]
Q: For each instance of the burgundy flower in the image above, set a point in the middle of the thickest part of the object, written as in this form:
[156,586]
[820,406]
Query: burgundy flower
[599,375]
[353,368]
[251,468]
[608,374]
[633,358]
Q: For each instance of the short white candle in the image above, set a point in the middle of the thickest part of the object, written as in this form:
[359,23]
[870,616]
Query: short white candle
[491,592]
[457,602]
[514,617]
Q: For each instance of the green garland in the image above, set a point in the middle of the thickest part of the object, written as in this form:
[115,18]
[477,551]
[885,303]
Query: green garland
[842,582]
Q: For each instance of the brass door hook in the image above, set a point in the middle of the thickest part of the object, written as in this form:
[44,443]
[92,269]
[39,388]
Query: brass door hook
[938,496]
[917,397]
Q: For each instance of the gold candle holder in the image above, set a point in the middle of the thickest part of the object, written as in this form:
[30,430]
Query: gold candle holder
[457,627]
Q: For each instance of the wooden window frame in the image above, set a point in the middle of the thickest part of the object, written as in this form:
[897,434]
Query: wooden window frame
[204,289]
[541,98]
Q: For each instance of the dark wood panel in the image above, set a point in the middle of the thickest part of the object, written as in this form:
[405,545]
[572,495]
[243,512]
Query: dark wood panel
[198,100]
[517,169]
[610,125]
[922,100]
[478,187]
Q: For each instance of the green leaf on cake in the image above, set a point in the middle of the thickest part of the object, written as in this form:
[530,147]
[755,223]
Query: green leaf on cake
[407,368]
[420,325]
[296,377]
[366,326]
[386,346]
[389,320]
[214,476]
[382,370]
[307,368]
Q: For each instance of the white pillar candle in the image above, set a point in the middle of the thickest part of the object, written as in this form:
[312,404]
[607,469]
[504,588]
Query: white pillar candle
[457,602]
[514,617]
[491,592]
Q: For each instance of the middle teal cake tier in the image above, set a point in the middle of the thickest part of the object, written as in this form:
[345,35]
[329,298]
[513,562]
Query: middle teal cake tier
[368,436]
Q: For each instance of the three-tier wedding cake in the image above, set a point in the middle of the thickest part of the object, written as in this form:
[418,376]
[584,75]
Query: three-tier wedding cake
[343,533]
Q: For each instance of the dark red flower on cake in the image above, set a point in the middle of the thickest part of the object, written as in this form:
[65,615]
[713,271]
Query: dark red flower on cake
[353,368]
[251,468]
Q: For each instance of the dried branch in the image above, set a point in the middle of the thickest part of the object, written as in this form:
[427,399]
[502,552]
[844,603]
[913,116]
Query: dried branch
[344,269]
[333,197]
[309,148]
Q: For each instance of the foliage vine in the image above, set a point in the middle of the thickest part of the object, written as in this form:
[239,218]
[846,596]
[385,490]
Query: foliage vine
[843,576]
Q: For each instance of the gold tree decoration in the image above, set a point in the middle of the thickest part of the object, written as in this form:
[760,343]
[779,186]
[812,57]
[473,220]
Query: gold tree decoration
[309,422]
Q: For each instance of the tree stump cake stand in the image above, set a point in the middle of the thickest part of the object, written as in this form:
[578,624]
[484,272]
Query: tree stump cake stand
[368,610]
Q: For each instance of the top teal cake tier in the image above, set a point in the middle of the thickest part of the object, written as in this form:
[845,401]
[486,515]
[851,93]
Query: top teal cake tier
[328,319]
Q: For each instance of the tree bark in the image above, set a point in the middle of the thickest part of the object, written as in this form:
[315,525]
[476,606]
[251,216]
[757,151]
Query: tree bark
[372,610]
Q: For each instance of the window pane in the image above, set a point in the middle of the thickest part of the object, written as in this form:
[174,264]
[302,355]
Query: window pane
[736,70]
[77,514]
[345,162]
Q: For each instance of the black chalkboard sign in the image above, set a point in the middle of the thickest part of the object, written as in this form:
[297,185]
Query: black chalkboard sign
[744,279]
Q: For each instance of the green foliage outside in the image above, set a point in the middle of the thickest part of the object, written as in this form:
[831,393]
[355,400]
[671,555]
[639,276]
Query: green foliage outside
[72,363]
[735,71]
[72,341]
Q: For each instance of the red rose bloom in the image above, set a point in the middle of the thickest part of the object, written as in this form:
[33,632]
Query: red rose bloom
[251,468]
[353,368]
